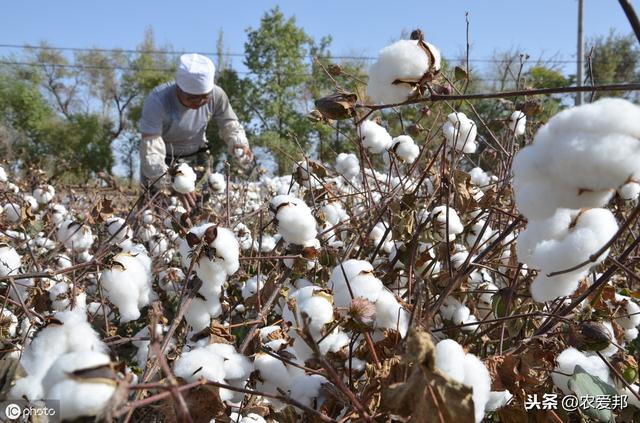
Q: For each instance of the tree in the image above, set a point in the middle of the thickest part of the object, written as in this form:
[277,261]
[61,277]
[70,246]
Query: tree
[275,55]
[615,59]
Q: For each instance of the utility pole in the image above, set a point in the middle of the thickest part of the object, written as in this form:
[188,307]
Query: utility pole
[580,54]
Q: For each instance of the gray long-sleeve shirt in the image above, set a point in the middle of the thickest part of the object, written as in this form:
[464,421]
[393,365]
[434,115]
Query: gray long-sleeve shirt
[183,129]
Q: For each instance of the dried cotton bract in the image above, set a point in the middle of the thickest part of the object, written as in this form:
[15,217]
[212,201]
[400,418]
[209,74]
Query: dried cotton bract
[401,70]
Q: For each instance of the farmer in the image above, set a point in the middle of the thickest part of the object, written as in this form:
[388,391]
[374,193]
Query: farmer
[175,117]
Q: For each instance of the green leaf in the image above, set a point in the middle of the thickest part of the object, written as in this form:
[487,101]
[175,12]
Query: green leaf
[583,384]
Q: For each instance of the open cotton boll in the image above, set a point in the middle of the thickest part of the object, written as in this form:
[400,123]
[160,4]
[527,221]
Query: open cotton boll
[479,177]
[12,212]
[450,359]
[628,311]
[405,148]
[305,176]
[127,284]
[75,236]
[305,388]
[3,175]
[460,132]
[249,418]
[184,179]
[390,314]
[334,213]
[366,286]
[69,331]
[477,377]
[31,202]
[374,137]
[295,222]
[498,399]
[585,234]
[403,60]
[348,165]
[272,370]
[629,191]
[79,394]
[10,260]
[44,194]
[146,232]
[220,256]
[567,361]
[200,363]
[217,182]
[348,270]
[439,217]
[517,123]
[313,313]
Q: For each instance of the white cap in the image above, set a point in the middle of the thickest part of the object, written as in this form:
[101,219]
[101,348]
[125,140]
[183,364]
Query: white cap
[195,74]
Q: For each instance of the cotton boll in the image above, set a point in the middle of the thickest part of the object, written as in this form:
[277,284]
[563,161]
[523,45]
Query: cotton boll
[460,132]
[567,361]
[403,60]
[146,232]
[374,137]
[517,123]
[586,234]
[184,179]
[8,325]
[3,175]
[44,194]
[450,358]
[318,310]
[12,212]
[197,314]
[439,217]
[222,256]
[75,236]
[479,177]
[127,284]
[630,334]
[79,396]
[498,399]
[348,165]
[334,213]
[31,202]
[272,370]
[217,183]
[295,222]
[390,314]
[629,312]
[305,388]
[629,191]
[405,148]
[10,260]
[200,363]
[477,377]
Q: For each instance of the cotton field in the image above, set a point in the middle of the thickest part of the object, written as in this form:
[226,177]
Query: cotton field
[447,274]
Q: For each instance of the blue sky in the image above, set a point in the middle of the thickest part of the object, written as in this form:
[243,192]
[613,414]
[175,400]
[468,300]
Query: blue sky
[541,28]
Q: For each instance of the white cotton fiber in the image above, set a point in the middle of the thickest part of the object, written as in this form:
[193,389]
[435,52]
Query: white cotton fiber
[75,236]
[403,60]
[450,359]
[567,361]
[439,218]
[517,123]
[127,284]
[10,260]
[348,165]
[460,132]
[217,182]
[295,222]
[44,194]
[184,180]
[374,137]
[405,148]
[579,158]
[566,239]
[479,177]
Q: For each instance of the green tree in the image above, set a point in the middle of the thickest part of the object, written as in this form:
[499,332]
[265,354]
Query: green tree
[275,55]
[615,59]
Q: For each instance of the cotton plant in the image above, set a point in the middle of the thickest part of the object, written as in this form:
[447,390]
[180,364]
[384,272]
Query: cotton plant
[460,132]
[401,70]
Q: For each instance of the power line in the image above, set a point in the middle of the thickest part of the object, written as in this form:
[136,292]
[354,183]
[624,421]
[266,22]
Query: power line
[116,67]
[230,54]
